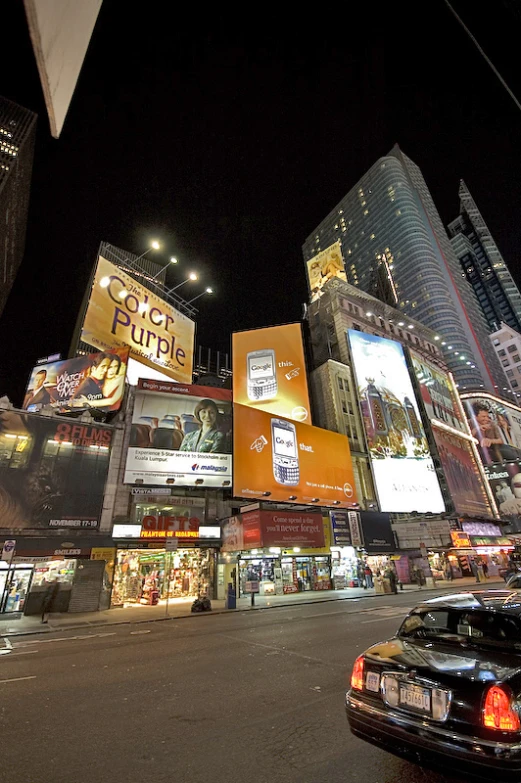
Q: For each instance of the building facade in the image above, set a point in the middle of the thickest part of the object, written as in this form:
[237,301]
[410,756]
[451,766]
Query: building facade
[339,397]
[395,247]
[507,344]
[17,137]
[483,266]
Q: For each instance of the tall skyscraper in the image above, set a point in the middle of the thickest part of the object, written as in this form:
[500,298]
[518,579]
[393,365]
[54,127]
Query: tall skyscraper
[17,135]
[483,265]
[394,246]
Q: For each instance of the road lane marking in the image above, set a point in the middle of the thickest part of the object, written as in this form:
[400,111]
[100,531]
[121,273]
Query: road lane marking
[24,652]
[8,643]
[135,633]
[66,639]
[282,650]
[19,679]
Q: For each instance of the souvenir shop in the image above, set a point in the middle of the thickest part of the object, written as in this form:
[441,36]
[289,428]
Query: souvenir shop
[345,566]
[165,552]
[148,576]
[284,571]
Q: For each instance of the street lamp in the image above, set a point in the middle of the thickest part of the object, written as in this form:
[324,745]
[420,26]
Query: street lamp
[206,291]
[191,276]
[173,260]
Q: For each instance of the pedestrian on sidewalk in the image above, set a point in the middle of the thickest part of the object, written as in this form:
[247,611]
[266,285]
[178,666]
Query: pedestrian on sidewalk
[390,574]
[368,573]
[419,576]
[49,598]
[485,568]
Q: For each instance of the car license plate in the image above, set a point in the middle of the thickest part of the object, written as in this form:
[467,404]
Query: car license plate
[372,682]
[416,697]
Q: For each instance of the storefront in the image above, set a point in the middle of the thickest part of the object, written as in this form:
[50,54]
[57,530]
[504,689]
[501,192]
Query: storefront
[82,567]
[148,576]
[345,567]
[284,571]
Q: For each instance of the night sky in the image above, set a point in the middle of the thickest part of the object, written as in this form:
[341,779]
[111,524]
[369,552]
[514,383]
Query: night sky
[229,139]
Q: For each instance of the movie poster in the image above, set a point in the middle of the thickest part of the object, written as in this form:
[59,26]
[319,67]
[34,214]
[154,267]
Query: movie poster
[95,381]
[52,471]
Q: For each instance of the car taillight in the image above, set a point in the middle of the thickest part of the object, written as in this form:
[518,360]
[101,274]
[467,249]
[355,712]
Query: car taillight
[357,677]
[498,712]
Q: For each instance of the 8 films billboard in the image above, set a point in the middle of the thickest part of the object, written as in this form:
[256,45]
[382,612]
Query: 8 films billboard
[52,472]
[269,371]
[180,435]
[401,462]
[122,312]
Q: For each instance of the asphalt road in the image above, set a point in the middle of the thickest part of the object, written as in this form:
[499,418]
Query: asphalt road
[255,697]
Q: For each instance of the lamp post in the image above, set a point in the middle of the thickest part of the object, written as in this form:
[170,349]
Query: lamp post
[173,260]
[154,245]
[206,291]
[191,276]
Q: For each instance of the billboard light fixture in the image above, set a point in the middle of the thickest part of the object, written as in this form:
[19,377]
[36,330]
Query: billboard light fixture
[206,291]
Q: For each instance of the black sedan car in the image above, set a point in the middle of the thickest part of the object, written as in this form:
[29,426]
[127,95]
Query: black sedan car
[445,692]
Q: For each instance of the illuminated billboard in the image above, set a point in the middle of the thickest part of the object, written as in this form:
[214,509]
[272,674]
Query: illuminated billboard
[505,483]
[289,461]
[462,474]
[94,381]
[122,312]
[496,425]
[52,471]
[401,462]
[322,267]
[269,371]
[438,393]
[180,435]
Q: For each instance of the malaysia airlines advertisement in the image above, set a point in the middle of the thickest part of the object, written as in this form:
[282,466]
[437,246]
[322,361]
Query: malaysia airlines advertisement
[402,464]
[180,435]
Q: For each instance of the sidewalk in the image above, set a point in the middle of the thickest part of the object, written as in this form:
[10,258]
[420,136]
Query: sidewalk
[178,608]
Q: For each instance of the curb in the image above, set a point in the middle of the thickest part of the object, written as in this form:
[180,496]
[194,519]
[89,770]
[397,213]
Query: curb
[87,624]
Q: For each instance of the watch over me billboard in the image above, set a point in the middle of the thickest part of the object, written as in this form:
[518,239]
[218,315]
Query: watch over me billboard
[121,312]
[180,435]
[401,462]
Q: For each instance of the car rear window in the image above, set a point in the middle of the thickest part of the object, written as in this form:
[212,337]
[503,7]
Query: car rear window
[458,625]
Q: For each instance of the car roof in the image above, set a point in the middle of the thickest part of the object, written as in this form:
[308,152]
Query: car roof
[503,601]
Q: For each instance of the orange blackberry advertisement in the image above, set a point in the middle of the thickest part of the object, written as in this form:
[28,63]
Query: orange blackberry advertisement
[269,371]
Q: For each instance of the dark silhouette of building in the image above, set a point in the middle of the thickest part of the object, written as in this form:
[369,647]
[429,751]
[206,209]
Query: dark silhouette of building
[17,136]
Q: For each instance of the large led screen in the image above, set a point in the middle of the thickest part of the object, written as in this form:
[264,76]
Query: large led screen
[292,462]
[401,462]
[95,381]
[122,312]
[269,371]
[496,425]
[324,266]
[180,435]
[52,471]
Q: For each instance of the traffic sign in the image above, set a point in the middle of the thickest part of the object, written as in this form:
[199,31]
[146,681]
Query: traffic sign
[8,549]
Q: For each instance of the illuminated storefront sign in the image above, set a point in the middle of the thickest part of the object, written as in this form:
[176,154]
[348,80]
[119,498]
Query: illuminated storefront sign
[401,462]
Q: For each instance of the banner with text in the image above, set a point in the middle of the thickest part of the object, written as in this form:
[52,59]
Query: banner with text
[180,435]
